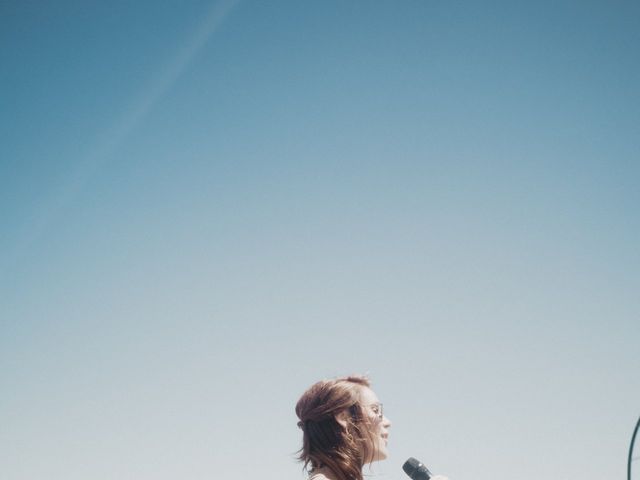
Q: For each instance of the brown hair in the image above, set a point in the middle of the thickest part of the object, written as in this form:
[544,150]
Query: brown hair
[326,443]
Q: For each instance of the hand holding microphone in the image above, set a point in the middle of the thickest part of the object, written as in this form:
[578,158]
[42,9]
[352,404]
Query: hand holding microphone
[418,471]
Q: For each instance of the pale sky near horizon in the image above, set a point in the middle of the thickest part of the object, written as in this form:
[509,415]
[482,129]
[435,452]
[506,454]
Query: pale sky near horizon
[207,206]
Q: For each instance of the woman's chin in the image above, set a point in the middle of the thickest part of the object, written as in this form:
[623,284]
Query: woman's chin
[381,454]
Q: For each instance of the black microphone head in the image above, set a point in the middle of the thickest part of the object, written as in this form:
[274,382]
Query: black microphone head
[416,469]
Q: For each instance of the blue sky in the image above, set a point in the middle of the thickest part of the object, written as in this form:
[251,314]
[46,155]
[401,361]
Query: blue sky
[207,206]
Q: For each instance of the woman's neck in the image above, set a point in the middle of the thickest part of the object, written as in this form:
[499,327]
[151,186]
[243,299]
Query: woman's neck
[324,473]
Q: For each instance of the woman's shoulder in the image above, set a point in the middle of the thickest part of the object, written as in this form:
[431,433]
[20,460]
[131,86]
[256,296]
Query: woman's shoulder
[318,476]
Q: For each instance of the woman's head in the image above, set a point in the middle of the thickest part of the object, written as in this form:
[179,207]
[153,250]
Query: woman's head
[343,426]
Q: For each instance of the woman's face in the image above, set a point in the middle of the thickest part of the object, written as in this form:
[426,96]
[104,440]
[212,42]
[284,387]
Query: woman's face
[380,424]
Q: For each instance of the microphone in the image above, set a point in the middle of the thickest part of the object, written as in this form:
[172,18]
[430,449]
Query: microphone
[416,469]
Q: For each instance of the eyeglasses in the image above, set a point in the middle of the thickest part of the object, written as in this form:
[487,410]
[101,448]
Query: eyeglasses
[378,410]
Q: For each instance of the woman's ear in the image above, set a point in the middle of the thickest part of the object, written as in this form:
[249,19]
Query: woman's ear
[342,418]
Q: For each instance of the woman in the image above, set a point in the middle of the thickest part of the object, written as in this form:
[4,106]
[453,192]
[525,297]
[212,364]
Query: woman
[343,428]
